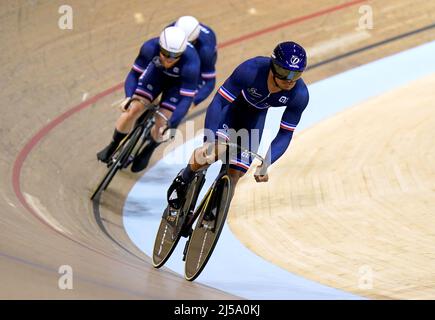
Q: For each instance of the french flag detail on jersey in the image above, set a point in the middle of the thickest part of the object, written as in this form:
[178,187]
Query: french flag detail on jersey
[168,106]
[239,164]
[287,126]
[226,94]
[208,75]
[137,68]
[144,93]
[187,92]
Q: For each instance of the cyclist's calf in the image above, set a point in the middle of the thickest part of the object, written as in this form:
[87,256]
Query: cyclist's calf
[160,123]
[235,175]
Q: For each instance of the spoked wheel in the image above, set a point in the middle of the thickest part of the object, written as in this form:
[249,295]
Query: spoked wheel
[172,223]
[119,159]
[212,215]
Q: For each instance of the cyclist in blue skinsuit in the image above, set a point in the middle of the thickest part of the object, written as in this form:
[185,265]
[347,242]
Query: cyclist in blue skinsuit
[203,39]
[170,66]
[241,103]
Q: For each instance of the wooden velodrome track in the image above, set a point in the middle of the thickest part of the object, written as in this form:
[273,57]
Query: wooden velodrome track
[56,90]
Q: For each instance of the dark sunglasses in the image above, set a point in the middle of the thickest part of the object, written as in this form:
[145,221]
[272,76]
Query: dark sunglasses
[170,55]
[284,74]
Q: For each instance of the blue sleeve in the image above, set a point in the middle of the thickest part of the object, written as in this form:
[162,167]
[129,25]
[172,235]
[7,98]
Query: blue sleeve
[143,59]
[214,112]
[179,113]
[204,90]
[189,82]
[131,83]
[240,79]
[145,56]
[208,56]
[289,121]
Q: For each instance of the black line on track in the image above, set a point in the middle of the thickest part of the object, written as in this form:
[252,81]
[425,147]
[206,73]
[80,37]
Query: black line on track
[371,46]
[99,220]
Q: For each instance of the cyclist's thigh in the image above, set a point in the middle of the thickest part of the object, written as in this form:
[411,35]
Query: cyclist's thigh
[214,118]
[170,97]
[235,175]
[150,83]
[245,125]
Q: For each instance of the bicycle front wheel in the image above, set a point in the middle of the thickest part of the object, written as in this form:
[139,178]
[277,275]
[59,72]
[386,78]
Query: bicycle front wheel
[208,228]
[121,155]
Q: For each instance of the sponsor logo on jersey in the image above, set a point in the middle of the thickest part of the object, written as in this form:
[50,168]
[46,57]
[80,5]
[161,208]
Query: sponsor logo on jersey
[245,155]
[283,99]
[253,92]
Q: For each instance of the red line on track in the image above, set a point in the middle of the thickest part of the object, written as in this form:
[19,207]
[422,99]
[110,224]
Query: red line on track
[289,22]
[19,161]
[34,141]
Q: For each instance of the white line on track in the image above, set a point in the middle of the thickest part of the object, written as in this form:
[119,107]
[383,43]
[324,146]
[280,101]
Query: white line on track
[43,213]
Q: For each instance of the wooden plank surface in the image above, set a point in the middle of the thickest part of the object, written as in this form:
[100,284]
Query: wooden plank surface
[355,194]
[47,71]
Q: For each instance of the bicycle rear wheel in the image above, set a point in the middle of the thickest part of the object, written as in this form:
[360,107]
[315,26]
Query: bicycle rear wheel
[169,233]
[206,233]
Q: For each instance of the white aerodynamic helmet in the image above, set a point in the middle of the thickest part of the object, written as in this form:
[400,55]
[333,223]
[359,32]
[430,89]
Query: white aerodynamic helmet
[173,42]
[190,26]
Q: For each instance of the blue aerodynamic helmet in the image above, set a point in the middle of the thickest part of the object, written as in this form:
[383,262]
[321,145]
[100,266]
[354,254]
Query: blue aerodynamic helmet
[288,61]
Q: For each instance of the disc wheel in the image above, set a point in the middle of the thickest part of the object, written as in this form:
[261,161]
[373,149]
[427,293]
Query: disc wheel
[207,230]
[169,233]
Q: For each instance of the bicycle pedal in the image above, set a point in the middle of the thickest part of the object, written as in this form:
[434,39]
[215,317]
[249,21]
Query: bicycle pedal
[110,162]
[128,161]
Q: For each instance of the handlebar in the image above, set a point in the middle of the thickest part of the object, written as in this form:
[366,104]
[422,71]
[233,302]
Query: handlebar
[161,115]
[238,148]
[263,171]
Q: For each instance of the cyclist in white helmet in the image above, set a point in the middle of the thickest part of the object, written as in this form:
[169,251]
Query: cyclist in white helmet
[167,65]
[203,39]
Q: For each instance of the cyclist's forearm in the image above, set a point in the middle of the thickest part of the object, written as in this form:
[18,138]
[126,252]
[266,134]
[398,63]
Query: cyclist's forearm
[179,113]
[278,146]
[205,90]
